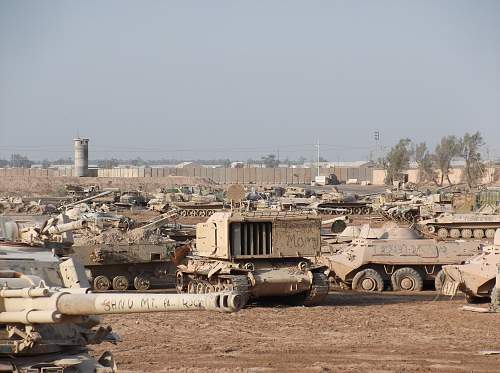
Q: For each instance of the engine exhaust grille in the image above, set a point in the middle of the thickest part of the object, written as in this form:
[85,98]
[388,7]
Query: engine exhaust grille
[251,238]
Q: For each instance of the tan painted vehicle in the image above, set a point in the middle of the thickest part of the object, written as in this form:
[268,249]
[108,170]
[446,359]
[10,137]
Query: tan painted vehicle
[138,259]
[397,257]
[461,226]
[185,201]
[48,315]
[260,253]
[477,276]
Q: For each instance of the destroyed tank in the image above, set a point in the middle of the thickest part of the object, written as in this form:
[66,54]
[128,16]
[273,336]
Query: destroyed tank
[48,316]
[114,259]
[466,226]
[397,257]
[477,276]
[185,202]
[138,259]
[262,254]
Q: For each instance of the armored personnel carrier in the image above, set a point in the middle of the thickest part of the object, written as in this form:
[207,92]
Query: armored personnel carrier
[48,314]
[461,226]
[398,257]
[476,277]
[260,253]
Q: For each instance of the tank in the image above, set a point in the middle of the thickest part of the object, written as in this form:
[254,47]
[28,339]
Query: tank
[477,276]
[338,203]
[263,254]
[49,317]
[466,226]
[185,201]
[397,258]
[138,259]
[114,259]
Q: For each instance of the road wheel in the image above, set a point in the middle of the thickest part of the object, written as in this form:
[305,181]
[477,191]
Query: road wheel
[455,233]
[439,280]
[102,283]
[407,279]
[141,283]
[183,213]
[431,229]
[442,233]
[120,283]
[478,233]
[368,280]
[365,211]
[466,233]
[490,233]
[357,210]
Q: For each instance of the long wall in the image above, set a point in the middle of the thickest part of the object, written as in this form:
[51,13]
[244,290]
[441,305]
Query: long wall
[218,175]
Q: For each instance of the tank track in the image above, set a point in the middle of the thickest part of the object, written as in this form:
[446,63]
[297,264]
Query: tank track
[319,289]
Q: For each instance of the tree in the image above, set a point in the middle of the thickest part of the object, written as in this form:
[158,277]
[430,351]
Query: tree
[270,161]
[18,160]
[448,148]
[108,163]
[469,150]
[45,164]
[425,163]
[397,160]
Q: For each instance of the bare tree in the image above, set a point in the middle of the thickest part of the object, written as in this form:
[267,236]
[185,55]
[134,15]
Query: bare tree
[425,163]
[448,148]
[474,167]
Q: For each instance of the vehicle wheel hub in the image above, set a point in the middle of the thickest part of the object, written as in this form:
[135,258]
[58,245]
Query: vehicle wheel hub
[407,284]
[368,284]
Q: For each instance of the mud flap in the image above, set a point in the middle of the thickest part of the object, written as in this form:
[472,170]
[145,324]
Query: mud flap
[449,287]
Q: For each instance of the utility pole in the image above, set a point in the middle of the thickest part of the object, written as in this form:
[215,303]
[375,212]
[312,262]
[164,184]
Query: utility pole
[376,136]
[317,146]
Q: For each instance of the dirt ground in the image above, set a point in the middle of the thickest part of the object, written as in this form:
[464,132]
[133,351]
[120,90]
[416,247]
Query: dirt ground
[352,332]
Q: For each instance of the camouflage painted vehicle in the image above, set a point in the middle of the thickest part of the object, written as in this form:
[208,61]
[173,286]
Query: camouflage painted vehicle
[260,253]
[339,203]
[397,257]
[466,226]
[48,317]
[477,276]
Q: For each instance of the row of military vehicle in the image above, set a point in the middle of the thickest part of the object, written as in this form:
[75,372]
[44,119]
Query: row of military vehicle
[275,254]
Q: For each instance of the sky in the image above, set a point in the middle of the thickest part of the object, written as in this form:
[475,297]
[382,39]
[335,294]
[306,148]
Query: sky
[241,79]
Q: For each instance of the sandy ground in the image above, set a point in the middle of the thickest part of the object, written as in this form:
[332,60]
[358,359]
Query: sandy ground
[352,332]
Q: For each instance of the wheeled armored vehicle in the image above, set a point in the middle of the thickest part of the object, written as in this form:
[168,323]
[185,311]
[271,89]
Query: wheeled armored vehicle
[398,258]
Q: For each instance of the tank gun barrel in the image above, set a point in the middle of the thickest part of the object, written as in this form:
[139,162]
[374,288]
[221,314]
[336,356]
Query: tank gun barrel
[91,198]
[44,305]
[66,227]
[158,222]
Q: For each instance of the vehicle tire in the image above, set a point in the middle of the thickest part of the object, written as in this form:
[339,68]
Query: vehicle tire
[439,280]
[368,280]
[442,233]
[466,233]
[102,283]
[407,279]
[120,283]
[455,233]
[141,283]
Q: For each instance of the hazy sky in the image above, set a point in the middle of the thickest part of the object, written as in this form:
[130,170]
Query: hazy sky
[240,79]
